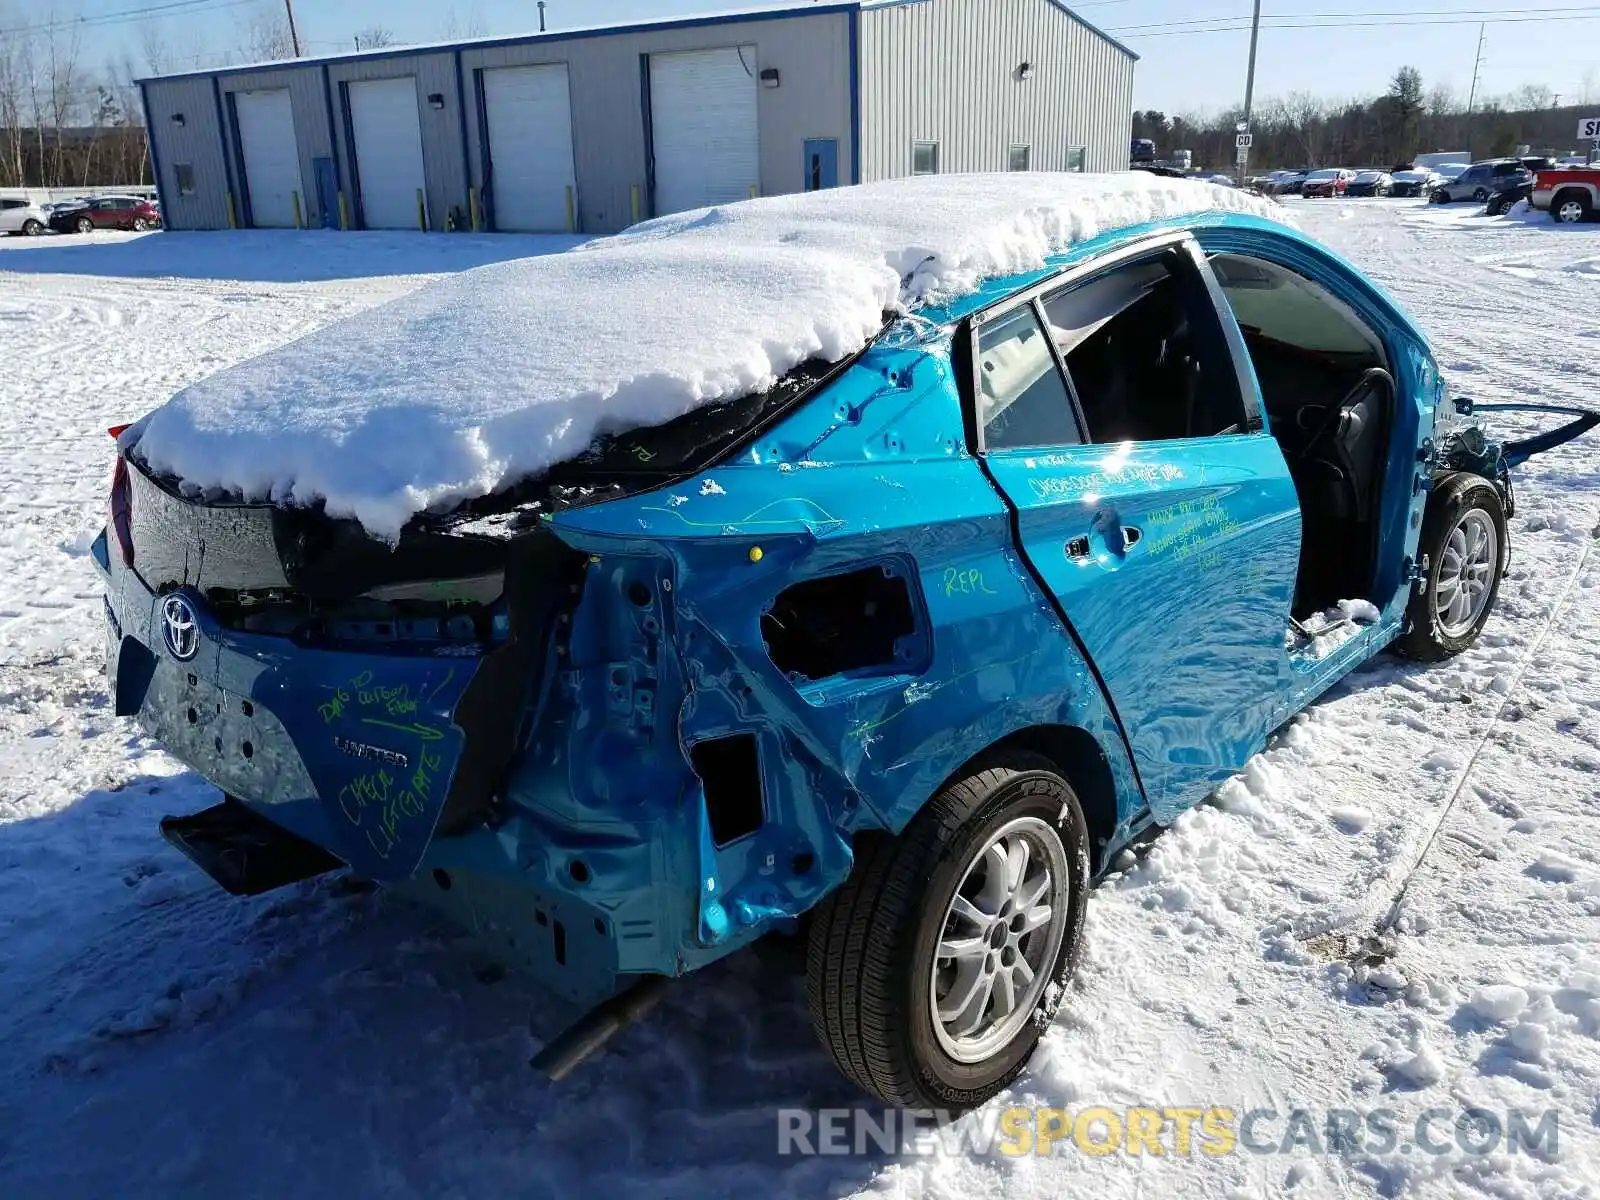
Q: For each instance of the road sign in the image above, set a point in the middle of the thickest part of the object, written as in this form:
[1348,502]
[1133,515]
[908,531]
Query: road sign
[1242,141]
[1243,155]
[1589,129]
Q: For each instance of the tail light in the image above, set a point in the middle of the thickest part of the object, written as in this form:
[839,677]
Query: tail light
[121,508]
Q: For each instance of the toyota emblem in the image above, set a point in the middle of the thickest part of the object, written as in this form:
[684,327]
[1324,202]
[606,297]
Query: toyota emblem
[179,628]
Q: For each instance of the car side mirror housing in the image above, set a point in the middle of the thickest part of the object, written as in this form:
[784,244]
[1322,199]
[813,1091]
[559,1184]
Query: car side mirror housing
[1463,405]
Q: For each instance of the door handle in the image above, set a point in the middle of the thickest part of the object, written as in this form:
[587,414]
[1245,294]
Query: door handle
[1078,547]
[1131,536]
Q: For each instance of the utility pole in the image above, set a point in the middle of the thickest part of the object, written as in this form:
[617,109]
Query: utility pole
[294,33]
[1249,90]
[541,16]
[1477,65]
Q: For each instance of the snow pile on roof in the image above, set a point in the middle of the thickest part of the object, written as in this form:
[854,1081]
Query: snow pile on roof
[474,382]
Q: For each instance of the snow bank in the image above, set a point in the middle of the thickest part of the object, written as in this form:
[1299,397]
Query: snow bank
[472,383]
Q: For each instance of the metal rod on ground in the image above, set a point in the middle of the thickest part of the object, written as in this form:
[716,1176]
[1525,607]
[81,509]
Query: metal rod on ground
[579,1042]
[1249,90]
[294,33]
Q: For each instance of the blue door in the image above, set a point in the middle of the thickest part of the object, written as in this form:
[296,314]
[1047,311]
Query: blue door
[822,164]
[1152,504]
[327,191]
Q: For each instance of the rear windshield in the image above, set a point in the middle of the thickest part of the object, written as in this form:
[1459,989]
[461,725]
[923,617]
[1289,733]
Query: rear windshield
[699,438]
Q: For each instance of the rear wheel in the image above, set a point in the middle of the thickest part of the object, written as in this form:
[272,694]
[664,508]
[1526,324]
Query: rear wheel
[1439,197]
[1480,195]
[1464,539]
[934,970]
[1570,208]
[84,225]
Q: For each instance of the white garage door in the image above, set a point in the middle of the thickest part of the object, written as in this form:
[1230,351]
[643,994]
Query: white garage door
[703,127]
[388,134]
[271,158]
[530,146]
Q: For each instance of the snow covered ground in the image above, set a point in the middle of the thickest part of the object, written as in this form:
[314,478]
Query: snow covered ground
[1396,907]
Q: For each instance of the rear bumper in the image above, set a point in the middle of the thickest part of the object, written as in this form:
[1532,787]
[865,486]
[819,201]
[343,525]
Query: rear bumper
[354,752]
[358,753]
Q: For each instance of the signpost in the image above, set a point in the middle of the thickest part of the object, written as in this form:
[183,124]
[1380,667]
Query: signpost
[1589,130]
[1241,144]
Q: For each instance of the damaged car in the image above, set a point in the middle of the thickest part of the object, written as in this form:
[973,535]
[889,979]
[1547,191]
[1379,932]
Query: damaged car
[896,650]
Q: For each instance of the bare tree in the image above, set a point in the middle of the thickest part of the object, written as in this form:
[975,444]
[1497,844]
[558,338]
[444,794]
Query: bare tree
[375,37]
[16,68]
[265,35]
[457,27]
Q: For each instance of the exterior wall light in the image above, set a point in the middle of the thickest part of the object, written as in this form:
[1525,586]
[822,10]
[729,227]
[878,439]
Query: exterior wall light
[1025,71]
[177,118]
[435,99]
[769,77]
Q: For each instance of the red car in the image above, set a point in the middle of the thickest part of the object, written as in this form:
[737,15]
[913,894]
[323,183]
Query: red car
[1333,181]
[106,212]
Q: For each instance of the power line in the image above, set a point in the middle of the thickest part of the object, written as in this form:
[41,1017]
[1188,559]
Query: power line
[149,12]
[1473,15]
[1240,28]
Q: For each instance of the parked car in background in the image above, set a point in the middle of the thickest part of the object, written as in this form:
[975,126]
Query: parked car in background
[1329,182]
[1371,183]
[106,212]
[1481,180]
[23,217]
[1288,183]
[1538,162]
[1502,198]
[1416,182]
[1570,195]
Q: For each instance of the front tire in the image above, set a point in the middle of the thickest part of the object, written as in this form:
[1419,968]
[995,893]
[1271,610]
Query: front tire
[934,970]
[140,225]
[84,225]
[1464,539]
[32,228]
[1440,197]
[1480,195]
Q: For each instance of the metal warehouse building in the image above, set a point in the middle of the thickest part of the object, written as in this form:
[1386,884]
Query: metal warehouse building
[589,130]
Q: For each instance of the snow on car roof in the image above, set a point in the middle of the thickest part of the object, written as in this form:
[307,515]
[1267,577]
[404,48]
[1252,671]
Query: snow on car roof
[474,382]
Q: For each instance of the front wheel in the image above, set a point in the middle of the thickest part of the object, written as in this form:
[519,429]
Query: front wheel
[84,225]
[32,228]
[140,225]
[1480,195]
[1440,197]
[1464,539]
[934,970]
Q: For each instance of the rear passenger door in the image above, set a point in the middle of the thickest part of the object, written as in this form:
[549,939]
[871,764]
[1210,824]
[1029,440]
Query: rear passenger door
[1114,414]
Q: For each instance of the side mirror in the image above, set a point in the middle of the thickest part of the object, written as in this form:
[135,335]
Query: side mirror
[1463,405]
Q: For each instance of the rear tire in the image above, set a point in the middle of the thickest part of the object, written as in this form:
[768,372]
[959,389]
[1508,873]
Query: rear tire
[1464,539]
[876,978]
[1480,195]
[1570,208]
[32,228]
[1440,197]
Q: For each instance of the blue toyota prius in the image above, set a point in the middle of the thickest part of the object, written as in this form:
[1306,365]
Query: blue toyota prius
[1084,538]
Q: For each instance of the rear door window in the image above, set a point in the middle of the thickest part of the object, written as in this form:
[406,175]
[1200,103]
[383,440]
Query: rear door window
[1146,354]
[1022,399]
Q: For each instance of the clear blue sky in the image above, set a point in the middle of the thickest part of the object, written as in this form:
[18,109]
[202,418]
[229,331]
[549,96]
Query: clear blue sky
[1188,63]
